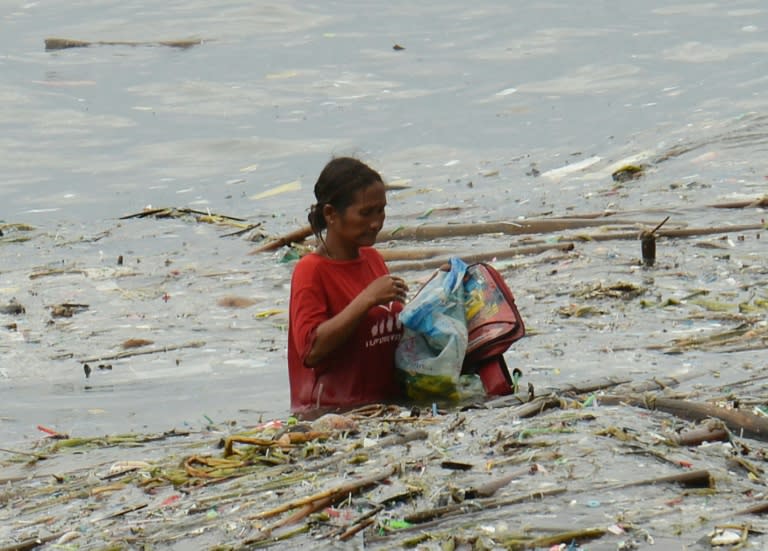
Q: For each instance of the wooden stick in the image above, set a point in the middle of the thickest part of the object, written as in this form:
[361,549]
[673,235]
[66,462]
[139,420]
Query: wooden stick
[478,505]
[752,203]
[355,528]
[302,513]
[31,543]
[532,226]
[332,493]
[481,257]
[689,479]
[296,236]
[696,437]
[429,232]
[576,535]
[65,43]
[741,423]
[159,350]
[758,509]
[393,440]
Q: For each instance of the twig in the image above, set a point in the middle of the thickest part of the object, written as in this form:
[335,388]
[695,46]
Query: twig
[30,454]
[159,350]
[333,494]
[393,440]
[653,231]
[478,505]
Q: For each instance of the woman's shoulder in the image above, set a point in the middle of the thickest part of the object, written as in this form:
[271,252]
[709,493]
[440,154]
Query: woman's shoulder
[372,257]
[370,253]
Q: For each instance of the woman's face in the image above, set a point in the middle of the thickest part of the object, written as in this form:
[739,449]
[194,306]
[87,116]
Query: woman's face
[359,224]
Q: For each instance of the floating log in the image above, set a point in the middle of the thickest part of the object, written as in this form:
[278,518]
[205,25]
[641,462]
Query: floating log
[741,423]
[689,479]
[713,432]
[481,257]
[65,43]
[521,227]
[296,236]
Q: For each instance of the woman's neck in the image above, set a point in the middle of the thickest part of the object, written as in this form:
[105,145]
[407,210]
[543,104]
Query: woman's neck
[335,252]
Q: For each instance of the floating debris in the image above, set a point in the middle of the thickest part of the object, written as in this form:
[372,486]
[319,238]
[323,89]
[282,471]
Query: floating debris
[620,290]
[67,309]
[627,173]
[12,308]
[65,43]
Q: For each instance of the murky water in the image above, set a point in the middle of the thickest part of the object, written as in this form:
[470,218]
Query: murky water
[484,97]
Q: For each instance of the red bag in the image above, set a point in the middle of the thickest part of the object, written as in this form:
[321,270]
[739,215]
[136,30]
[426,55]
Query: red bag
[493,324]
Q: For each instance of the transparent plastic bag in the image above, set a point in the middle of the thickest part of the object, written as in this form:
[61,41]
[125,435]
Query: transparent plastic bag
[431,352]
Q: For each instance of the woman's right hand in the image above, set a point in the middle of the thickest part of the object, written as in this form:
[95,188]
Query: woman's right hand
[385,289]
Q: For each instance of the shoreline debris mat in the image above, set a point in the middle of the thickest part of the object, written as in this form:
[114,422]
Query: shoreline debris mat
[574,466]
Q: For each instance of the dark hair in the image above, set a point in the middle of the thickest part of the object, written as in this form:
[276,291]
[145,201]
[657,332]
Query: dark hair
[337,185]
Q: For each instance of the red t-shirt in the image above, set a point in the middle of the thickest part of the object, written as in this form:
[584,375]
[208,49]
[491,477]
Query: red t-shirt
[360,371]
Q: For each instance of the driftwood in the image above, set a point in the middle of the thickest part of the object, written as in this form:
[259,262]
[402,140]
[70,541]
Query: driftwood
[599,383]
[714,432]
[158,350]
[741,423]
[428,232]
[392,440]
[435,232]
[478,505]
[65,43]
[522,227]
[332,494]
[481,257]
[689,479]
[32,543]
[557,223]
[296,236]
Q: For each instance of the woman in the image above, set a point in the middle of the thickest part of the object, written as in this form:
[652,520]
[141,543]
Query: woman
[343,326]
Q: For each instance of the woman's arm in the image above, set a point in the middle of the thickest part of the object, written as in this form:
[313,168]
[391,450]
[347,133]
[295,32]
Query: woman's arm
[334,332]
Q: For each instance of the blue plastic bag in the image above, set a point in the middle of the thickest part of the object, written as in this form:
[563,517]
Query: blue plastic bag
[430,355]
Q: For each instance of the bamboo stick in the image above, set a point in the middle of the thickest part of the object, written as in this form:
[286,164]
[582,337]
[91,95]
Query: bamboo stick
[568,537]
[419,517]
[696,437]
[302,513]
[295,236]
[522,227]
[355,528]
[689,479]
[333,493]
[158,350]
[758,509]
[428,232]
[481,257]
[393,440]
[31,543]
[741,423]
